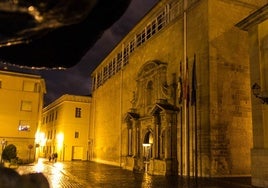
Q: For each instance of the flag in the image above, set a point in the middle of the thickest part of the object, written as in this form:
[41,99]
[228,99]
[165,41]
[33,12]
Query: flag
[194,84]
[179,86]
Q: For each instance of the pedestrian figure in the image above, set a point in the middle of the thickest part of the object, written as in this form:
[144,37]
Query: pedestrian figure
[55,156]
[51,157]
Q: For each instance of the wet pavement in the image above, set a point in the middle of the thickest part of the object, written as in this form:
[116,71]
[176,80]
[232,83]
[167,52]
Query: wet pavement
[80,174]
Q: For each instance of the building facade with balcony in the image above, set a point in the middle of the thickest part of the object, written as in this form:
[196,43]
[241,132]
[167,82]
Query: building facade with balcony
[173,97]
[64,128]
[21,103]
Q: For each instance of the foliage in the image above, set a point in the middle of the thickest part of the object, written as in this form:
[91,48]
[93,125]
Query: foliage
[9,153]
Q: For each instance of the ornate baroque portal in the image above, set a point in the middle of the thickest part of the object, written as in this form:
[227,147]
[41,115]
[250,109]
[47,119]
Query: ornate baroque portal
[151,124]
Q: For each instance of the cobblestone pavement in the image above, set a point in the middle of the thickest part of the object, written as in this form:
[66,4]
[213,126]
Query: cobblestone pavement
[78,174]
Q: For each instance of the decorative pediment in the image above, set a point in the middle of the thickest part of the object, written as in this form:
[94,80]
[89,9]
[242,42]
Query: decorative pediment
[159,107]
[149,67]
[131,116]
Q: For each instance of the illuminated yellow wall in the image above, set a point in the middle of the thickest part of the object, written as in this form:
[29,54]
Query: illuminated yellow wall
[60,126]
[21,99]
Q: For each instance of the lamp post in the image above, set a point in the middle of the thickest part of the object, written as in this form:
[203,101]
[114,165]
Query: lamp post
[256,90]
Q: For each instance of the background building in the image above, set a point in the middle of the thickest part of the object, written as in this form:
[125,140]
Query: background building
[21,103]
[174,95]
[257,26]
[64,129]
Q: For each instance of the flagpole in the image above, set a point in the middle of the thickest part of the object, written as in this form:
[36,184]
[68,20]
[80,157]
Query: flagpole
[186,108]
[194,103]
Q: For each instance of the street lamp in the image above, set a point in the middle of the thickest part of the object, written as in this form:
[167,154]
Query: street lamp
[256,90]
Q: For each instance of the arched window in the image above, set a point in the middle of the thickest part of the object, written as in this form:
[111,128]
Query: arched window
[147,145]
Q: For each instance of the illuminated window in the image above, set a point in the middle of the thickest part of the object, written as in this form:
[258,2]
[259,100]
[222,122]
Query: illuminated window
[26,106]
[24,126]
[77,112]
[76,134]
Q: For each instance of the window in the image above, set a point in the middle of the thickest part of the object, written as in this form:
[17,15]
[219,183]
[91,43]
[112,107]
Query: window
[153,27]
[77,112]
[26,106]
[132,46]
[0,84]
[138,37]
[76,134]
[125,55]
[143,36]
[119,57]
[99,79]
[161,20]
[30,86]
[105,73]
[113,66]
[24,126]
[149,31]
[118,65]
[110,69]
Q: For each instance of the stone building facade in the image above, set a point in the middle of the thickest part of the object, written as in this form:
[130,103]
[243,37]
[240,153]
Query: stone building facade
[173,97]
[256,24]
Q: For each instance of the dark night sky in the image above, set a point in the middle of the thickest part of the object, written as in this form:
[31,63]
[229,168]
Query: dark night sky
[76,80]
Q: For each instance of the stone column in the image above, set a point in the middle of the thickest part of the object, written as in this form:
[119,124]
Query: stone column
[156,136]
[134,138]
[168,136]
